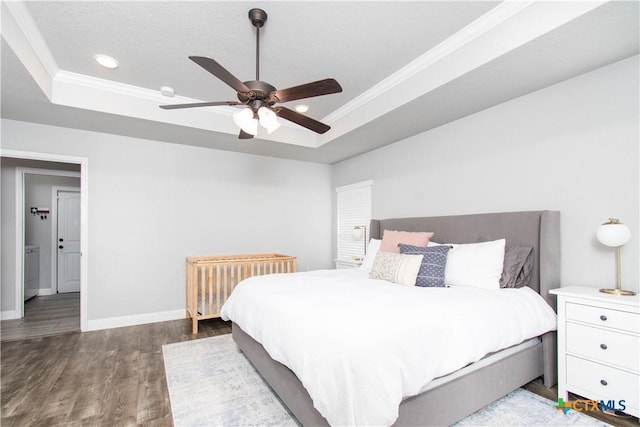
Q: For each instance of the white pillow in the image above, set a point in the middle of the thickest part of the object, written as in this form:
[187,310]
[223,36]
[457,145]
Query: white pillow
[372,250]
[397,268]
[475,264]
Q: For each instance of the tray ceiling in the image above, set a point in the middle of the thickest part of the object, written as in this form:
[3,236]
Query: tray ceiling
[405,67]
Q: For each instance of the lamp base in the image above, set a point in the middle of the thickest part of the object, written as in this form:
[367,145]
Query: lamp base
[617,292]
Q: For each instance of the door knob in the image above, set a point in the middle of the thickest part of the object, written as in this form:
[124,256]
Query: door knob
[60,247]
[61,239]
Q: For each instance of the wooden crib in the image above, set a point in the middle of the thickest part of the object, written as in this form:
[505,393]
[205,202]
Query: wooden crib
[211,279]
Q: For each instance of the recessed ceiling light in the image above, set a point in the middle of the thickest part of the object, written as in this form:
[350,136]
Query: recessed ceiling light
[167,91]
[107,61]
[302,108]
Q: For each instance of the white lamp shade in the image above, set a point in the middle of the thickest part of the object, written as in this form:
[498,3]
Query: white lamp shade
[245,121]
[357,233]
[268,119]
[613,234]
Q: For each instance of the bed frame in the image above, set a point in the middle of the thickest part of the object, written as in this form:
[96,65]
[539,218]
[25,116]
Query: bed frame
[459,397]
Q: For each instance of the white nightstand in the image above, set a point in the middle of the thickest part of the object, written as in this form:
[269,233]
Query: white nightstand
[348,263]
[599,346]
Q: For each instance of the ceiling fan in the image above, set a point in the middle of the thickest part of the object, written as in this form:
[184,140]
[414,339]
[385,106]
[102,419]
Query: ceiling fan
[260,97]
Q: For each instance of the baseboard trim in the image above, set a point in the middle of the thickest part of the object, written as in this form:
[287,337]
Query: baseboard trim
[136,319]
[8,315]
[45,291]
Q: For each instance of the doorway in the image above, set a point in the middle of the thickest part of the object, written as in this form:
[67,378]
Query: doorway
[51,272]
[41,162]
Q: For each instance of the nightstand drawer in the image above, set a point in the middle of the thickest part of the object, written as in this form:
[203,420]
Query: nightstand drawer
[607,346]
[602,382]
[616,319]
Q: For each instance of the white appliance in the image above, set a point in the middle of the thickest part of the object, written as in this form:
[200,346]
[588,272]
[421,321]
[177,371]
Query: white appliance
[31,271]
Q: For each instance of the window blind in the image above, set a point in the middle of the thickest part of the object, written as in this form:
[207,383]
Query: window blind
[354,209]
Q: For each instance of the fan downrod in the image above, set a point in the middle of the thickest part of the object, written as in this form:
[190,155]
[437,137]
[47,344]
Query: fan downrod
[257,17]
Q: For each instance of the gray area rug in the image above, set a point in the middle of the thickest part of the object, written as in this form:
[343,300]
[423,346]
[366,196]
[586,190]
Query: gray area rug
[211,383]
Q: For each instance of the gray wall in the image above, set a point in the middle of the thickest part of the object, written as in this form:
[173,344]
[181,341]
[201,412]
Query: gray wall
[571,147]
[151,204]
[38,192]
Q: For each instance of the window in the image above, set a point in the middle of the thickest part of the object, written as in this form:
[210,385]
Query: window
[354,210]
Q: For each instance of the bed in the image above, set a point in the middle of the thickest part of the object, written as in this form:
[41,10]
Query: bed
[453,396]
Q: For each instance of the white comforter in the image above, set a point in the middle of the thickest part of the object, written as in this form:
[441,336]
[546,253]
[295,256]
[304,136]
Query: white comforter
[360,345]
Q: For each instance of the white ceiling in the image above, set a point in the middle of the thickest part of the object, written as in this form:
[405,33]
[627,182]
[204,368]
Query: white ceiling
[405,67]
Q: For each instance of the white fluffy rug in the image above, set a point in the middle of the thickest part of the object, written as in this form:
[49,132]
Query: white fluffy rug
[211,383]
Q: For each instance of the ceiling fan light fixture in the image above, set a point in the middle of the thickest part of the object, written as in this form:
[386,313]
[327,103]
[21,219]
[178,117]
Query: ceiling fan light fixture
[106,61]
[268,119]
[245,121]
[302,108]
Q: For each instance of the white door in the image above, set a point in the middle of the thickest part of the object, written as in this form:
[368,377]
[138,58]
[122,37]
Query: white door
[68,241]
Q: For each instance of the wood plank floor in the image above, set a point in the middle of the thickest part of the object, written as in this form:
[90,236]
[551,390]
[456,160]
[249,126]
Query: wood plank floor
[113,377]
[44,316]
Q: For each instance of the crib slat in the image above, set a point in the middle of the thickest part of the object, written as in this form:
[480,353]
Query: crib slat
[203,291]
[232,267]
[225,282]
[218,289]
[193,297]
[210,288]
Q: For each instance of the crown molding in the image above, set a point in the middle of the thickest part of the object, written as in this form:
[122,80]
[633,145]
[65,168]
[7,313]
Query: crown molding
[24,37]
[504,28]
[472,31]
[92,93]
[123,89]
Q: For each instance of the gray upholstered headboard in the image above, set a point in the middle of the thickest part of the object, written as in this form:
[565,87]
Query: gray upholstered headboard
[539,229]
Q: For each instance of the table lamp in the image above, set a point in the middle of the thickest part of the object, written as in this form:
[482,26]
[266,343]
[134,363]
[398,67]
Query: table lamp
[360,232]
[614,234]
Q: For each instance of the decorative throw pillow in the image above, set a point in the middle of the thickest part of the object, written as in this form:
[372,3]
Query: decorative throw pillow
[396,268]
[434,261]
[372,250]
[391,238]
[518,264]
[475,264]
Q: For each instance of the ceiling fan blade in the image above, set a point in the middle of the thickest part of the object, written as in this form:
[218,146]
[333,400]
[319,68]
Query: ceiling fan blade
[198,104]
[308,90]
[244,135]
[220,72]
[302,120]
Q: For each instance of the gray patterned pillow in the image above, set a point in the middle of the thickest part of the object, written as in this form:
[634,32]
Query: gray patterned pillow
[433,265]
[396,268]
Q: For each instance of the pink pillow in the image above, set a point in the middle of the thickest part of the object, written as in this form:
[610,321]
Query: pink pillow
[391,238]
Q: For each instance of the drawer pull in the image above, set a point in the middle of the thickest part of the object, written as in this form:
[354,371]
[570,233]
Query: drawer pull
[603,346]
[603,317]
[603,382]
